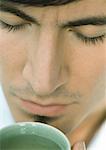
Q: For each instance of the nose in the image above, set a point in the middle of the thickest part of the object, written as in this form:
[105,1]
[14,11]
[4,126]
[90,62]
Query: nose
[45,69]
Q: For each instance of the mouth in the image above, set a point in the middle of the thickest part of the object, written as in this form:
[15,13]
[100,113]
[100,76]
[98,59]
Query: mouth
[50,110]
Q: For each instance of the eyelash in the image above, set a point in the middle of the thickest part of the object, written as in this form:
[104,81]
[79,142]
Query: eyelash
[14,28]
[83,38]
[91,40]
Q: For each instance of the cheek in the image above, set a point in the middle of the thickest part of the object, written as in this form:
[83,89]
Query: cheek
[12,51]
[86,65]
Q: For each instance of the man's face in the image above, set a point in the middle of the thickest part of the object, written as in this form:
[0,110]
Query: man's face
[54,67]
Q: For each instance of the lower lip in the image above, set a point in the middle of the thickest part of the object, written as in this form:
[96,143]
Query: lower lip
[50,110]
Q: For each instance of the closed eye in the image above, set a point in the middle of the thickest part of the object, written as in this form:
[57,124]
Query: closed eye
[91,40]
[13,27]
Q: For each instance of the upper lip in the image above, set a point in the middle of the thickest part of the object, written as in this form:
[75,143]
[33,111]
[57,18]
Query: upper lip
[49,102]
[50,110]
[46,104]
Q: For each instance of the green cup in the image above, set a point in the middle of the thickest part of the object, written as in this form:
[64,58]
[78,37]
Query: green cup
[32,136]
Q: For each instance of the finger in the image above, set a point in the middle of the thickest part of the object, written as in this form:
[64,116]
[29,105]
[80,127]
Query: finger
[79,146]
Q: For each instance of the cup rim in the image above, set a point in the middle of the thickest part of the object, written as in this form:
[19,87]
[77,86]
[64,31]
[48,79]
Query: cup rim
[59,139]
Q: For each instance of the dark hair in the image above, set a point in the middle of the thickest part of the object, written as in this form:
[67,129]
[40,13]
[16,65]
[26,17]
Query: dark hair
[40,3]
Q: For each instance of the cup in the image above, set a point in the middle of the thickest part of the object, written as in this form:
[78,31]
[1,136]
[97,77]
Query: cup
[32,136]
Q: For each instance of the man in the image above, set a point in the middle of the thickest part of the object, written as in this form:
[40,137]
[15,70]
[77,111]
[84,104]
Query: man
[53,64]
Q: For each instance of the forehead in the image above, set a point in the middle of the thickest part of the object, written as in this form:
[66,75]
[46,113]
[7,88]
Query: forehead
[63,13]
[69,11]
[84,8]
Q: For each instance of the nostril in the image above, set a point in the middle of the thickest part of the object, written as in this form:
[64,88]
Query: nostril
[44,82]
[42,89]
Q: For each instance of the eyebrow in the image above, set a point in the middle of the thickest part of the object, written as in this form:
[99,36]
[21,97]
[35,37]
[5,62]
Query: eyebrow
[19,13]
[98,20]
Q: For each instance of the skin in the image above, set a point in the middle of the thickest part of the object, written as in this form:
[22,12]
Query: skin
[48,64]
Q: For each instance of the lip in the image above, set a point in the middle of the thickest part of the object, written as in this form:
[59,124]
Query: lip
[51,110]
